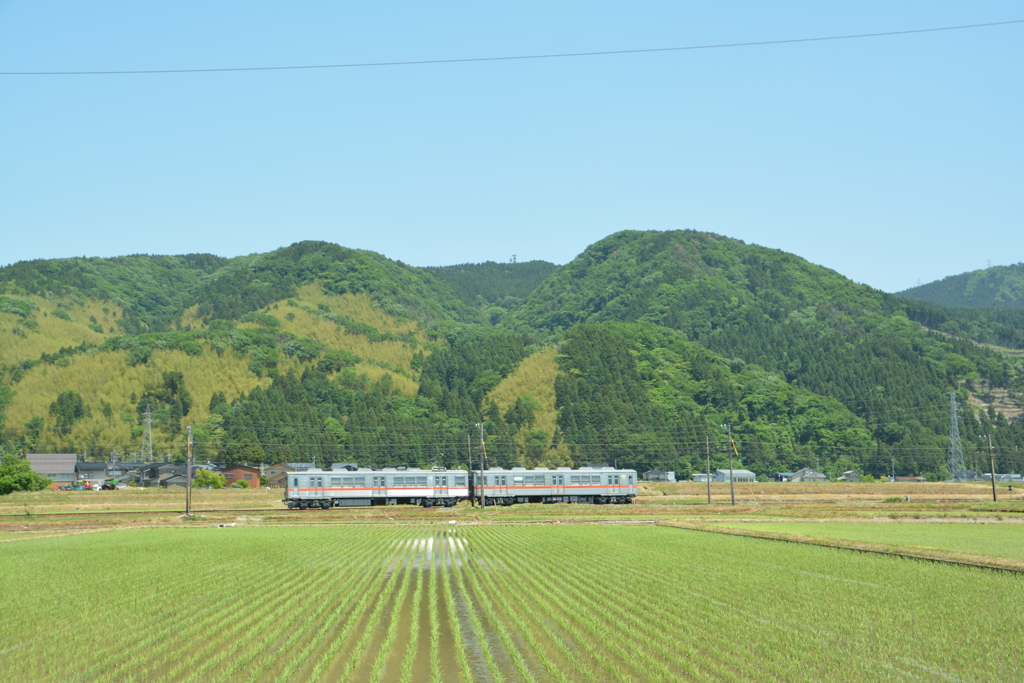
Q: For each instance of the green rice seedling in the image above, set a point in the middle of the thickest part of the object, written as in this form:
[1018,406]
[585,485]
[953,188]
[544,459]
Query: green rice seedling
[453,619]
[607,635]
[225,643]
[497,623]
[414,631]
[355,616]
[358,650]
[651,634]
[377,672]
[435,627]
[295,621]
[478,628]
[158,641]
[363,595]
[316,590]
[525,625]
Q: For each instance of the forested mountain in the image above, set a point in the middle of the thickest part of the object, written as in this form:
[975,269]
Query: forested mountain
[996,287]
[636,352]
[494,282]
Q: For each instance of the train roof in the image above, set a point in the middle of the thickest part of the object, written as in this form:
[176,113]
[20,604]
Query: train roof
[348,467]
[590,468]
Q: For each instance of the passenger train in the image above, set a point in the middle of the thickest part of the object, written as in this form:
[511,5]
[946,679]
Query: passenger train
[348,486]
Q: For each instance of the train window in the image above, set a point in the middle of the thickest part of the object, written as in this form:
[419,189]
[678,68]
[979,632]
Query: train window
[631,480]
[335,481]
[359,481]
[460,481]
[421,481]
[574,479]
[519,480]
[347,481]
[295,482]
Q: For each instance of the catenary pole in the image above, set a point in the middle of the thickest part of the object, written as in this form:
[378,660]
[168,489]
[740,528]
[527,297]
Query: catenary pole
[992,464]
[188,476]
[472,486]
[483,457]
[707,442]
[732,484]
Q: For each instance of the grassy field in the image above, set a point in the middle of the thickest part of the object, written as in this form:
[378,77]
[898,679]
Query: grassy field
[430,602]
[994,540]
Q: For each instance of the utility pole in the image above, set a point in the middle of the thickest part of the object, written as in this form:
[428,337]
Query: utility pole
[483,458]
[732,484]
[188,476]
[992,464]
[472,486]
[707,442]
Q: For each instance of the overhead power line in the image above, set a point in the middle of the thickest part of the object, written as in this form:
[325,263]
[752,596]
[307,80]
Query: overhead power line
[558,55]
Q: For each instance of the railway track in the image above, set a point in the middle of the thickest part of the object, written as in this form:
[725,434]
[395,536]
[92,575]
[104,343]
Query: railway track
[114,513]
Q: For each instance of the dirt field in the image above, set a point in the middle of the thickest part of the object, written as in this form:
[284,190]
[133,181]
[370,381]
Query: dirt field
[831,492]
[52,512]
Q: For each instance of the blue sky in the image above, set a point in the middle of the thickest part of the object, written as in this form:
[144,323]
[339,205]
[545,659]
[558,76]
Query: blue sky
[890,159]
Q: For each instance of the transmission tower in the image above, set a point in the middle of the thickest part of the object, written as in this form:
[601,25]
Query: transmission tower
[955,452]
[147,437]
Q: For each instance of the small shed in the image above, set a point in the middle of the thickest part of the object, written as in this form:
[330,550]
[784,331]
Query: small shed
[807,475]
[783,476]
[659,475]
[909,480]
[702,477]
[849,476]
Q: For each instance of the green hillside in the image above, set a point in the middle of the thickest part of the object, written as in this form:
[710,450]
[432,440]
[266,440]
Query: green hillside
[996,287]
[636,352]
[804,323]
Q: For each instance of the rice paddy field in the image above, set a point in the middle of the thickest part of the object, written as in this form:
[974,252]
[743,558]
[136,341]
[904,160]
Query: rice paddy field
[493,602]
[993,540]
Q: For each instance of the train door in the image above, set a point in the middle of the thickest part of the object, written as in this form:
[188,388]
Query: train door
[318,487]
[441,486]
[379,489]
[497,485]
[558,483]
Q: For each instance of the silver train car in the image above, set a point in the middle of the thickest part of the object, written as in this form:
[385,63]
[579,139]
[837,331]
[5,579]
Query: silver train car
[342,486]
[598,485]
[347,486]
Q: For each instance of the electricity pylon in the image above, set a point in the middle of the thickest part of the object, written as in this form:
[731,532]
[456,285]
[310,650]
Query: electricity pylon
[955,451]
